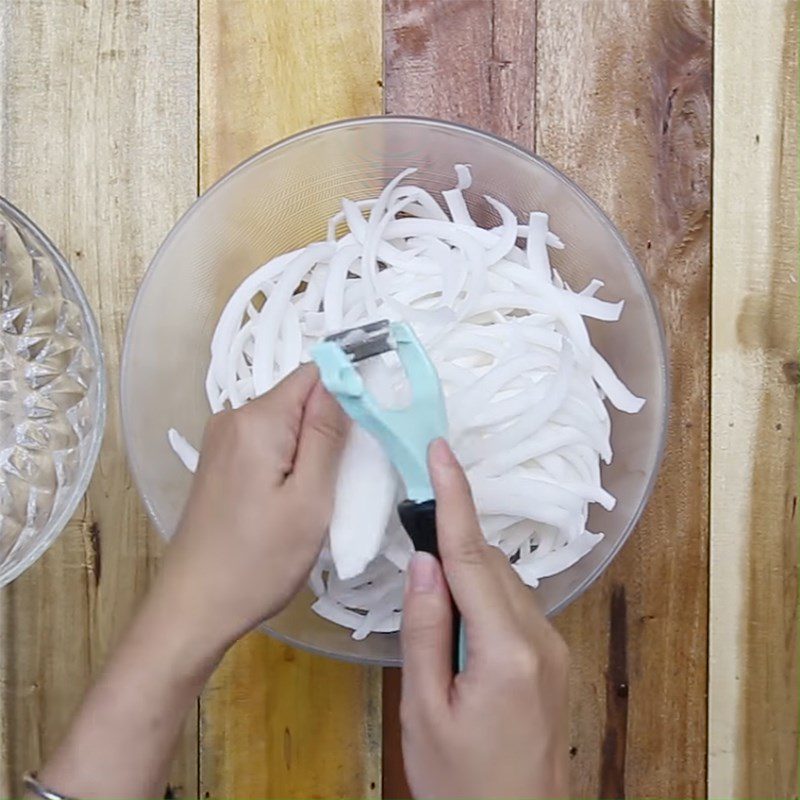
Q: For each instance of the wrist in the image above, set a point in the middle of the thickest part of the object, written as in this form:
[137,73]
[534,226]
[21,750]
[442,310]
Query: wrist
[174,618]
[199,588]
[132,715]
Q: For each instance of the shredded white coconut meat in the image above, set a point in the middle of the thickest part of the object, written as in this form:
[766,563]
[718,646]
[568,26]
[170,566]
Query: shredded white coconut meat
[524,387]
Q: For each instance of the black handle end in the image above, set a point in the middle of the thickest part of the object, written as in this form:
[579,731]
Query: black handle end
[419,519]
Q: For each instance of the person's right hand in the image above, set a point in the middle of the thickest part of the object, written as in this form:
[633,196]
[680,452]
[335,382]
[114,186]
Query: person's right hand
[499,728]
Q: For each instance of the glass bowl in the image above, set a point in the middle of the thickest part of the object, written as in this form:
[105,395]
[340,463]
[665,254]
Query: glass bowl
[280,199]
[52,392]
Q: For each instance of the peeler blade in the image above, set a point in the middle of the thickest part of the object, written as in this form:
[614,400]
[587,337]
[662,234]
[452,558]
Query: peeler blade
[365,341]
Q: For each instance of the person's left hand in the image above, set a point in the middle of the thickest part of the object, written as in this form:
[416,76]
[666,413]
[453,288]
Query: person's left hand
[259,507]
[254,523]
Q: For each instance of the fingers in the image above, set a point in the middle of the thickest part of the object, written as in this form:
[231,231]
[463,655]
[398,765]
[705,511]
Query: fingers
[523,598]
[467,559]
[270,424]
[322,436]
[293,390]
[426,634]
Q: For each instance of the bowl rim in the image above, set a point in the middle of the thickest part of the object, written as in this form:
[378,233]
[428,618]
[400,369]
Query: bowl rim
[58,522]
[494,140]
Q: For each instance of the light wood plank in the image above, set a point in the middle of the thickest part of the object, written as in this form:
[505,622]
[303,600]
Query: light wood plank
[6,767]
[623,106]
[275,721]
[98,143]
[270,68]
[753,694]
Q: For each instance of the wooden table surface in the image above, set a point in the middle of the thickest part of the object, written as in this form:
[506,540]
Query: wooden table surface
[681,120]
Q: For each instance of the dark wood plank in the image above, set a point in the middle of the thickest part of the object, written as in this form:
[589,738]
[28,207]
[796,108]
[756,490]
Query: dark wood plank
[471,61]
[617,96]
[624,93]
[395,785]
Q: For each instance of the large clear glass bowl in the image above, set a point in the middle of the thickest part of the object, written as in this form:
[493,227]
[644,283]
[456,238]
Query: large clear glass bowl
[52,392]
[280,199]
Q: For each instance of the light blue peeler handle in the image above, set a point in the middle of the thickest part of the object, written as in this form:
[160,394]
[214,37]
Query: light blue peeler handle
[405,433]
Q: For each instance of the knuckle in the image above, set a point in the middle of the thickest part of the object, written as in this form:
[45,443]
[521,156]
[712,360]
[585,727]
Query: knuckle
[423,622]
[239,426]
[219,420]
[519,662]
[527,662]
[419,633]
[499,559]
[237,432]
[536,658]
[472,550]
[331,426]
[216,427]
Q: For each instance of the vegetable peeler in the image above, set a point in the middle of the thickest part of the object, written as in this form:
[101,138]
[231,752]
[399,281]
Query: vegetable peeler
[405,433]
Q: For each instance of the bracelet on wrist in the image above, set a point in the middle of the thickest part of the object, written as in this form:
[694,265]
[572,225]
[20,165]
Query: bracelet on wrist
[32,784]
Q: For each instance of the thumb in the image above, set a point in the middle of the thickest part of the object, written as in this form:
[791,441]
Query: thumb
[323,432]
[426,636]
[466,557]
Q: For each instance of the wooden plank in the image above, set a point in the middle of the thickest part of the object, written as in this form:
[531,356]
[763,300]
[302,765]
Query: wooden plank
[753,695]
[618,96]
[471,61]
[394,784]
[275,721]
[270,68]
[6,766]
[98,139]
[623,106]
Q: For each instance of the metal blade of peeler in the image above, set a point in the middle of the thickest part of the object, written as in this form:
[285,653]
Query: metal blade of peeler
[365,341]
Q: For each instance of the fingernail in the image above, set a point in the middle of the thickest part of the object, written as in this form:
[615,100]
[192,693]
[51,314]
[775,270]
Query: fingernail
[423,572]
[441,455]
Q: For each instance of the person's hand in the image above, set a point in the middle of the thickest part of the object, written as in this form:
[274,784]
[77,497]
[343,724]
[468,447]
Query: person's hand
[259,507]
[499,729]
[254,523]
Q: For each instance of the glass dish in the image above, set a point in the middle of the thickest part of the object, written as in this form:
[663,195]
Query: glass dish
[280,199]
[52,392]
